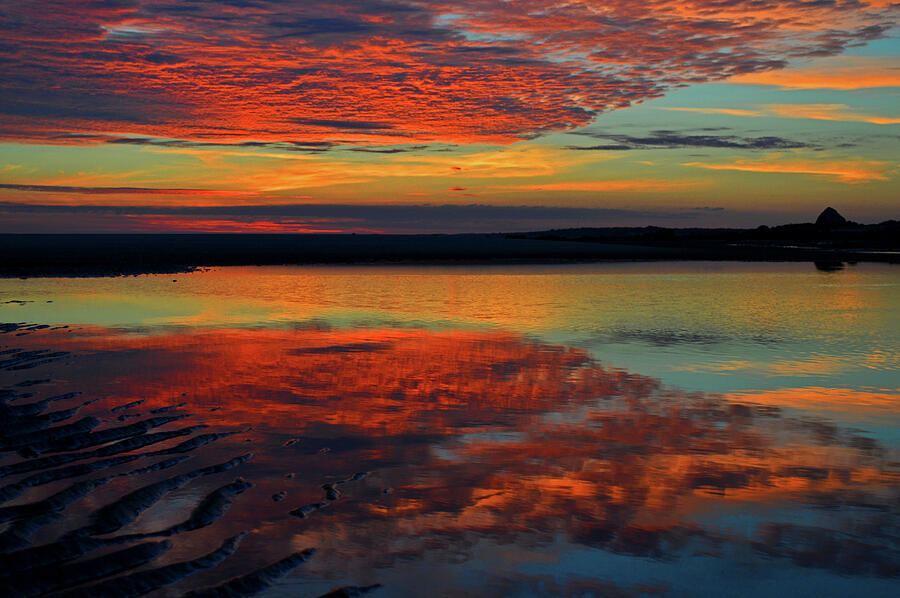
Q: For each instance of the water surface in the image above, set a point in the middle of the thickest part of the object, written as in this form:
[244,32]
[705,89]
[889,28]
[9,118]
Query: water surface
[631,429]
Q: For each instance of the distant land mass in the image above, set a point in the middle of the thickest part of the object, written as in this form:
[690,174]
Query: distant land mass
[830,232]
[829,242]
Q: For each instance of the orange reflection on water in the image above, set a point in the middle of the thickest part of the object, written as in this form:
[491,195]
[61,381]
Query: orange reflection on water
[486,433]
[381,381]
[862,404]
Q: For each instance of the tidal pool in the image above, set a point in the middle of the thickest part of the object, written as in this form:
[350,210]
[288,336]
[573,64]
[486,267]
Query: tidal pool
[638,429]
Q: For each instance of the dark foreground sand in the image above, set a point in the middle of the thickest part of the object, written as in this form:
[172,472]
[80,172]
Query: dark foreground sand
[338,436]
[47,440]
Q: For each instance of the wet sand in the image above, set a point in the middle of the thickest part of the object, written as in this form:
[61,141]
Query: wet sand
[43,441]
[321,449]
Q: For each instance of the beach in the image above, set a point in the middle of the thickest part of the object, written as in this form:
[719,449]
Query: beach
[235,453]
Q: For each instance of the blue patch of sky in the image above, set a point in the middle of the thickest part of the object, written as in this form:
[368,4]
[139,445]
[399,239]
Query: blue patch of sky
[888,46]
[452,21]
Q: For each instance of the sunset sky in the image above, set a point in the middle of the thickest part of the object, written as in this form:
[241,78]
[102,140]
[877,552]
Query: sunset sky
[441,116]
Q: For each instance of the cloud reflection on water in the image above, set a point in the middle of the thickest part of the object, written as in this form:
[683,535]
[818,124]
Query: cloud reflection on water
[475,436]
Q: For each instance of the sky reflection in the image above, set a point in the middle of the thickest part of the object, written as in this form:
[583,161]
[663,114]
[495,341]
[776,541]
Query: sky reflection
[706,326]
[495,462]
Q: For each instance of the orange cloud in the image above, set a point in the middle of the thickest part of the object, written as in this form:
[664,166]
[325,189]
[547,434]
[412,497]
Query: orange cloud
[68,189]
[845,72]
[843,171]
[213,225]
[728,111]
[640,185]
[839,112]
[275,172]
[836,112]
[516,161]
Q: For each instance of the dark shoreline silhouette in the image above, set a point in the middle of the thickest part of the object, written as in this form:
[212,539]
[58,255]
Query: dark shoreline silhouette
[130,254]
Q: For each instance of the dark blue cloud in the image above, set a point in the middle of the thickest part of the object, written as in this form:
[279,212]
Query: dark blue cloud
[389,218]
[664,139]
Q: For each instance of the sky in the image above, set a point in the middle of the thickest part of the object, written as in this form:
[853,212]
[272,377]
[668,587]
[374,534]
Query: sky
[439,116]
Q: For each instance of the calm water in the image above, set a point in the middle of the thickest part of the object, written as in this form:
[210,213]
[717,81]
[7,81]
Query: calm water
[613,429]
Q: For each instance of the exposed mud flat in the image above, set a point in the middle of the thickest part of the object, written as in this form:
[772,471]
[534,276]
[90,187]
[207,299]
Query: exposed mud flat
[41,555]
[324,461]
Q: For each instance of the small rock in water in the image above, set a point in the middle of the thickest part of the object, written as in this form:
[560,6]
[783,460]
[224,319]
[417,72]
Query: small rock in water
[279,496]
[291,442]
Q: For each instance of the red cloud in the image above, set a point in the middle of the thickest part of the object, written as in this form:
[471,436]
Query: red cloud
[373,72]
